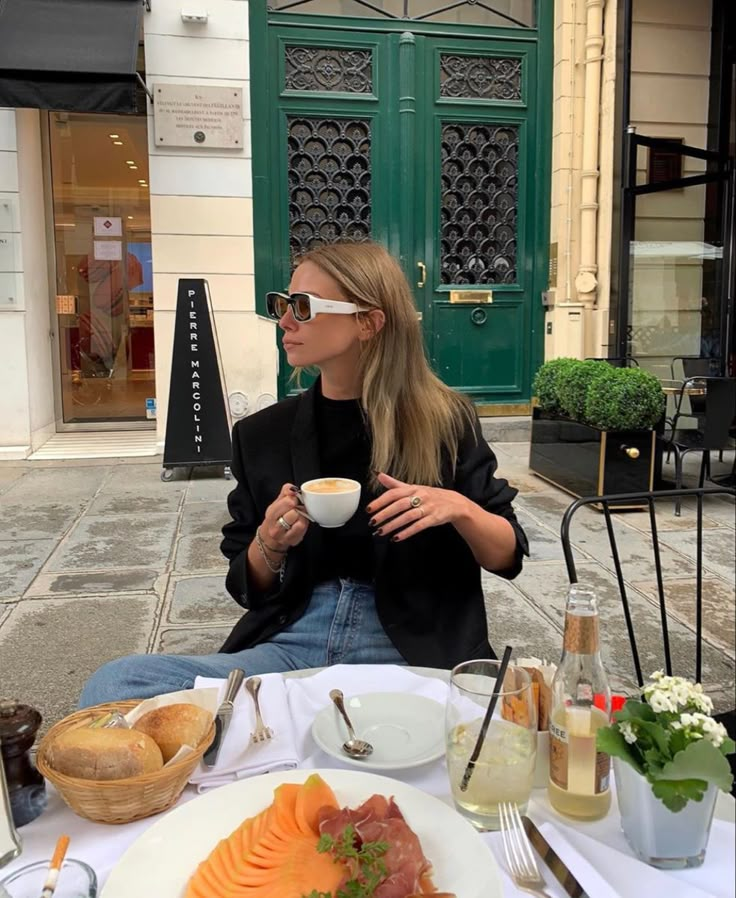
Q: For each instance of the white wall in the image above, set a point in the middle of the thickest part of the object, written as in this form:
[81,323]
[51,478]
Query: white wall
[38,322]
[201,200]
[26,401]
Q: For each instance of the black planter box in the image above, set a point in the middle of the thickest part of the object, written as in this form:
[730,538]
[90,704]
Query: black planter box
[586,461]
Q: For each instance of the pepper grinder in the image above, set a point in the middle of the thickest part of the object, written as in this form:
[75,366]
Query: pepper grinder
[26,787]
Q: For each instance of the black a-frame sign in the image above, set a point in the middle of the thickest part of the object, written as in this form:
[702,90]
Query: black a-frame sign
[197,423]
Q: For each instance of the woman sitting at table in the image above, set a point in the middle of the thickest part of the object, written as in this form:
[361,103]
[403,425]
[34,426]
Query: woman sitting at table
[400,583]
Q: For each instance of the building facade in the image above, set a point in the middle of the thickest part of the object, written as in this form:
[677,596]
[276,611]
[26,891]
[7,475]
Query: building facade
[489,145]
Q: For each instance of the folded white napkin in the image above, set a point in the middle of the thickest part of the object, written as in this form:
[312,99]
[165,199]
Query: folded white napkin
[605,872]
[238,758]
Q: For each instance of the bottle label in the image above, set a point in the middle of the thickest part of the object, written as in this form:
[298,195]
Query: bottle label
[581,633]
[558,755]
[597,780]
[602,772]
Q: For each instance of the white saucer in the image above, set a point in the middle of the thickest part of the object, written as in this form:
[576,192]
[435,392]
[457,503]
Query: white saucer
[405,730]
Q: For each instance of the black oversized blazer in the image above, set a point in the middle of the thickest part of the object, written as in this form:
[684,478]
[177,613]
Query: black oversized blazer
[428,589]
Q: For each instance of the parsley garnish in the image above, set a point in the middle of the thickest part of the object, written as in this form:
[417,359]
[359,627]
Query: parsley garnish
[371,868]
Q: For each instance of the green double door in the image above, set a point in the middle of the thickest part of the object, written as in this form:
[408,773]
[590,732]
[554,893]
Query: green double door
[433,145]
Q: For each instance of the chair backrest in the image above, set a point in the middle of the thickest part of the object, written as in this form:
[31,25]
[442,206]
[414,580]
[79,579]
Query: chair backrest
[719,411]
[694,366]
[620,361]
[679,582]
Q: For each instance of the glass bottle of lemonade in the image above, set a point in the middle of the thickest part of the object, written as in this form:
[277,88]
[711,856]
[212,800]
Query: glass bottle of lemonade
[581,704]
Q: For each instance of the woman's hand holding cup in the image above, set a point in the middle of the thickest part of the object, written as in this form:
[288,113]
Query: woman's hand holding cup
[285,523]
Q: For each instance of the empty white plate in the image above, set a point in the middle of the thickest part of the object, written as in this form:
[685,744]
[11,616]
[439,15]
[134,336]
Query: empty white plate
[405,730]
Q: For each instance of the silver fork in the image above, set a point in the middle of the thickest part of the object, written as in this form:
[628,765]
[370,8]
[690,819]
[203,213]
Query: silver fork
[262,733]
[519,854]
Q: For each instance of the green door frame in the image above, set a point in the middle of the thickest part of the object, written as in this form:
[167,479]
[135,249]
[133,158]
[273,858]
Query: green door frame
[533,257]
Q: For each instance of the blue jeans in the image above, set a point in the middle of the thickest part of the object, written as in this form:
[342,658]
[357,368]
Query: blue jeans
[340,626]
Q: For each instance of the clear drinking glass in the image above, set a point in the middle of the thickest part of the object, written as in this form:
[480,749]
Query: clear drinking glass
[76,880]
[504,770]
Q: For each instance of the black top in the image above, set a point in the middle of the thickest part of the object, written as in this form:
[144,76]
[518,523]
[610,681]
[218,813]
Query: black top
[429,595]
[345,451]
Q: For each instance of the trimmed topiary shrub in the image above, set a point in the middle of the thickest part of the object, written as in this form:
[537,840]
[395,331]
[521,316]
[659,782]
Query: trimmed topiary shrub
[572,389]
[630,399]
[600,395]
[546,380]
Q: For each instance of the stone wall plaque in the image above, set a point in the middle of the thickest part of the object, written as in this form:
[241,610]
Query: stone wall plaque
[189,115]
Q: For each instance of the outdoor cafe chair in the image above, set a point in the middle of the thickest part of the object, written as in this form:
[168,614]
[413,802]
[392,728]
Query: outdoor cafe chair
[608,504]
[714,424]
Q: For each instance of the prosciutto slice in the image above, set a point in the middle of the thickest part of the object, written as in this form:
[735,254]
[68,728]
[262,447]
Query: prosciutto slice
[408,872]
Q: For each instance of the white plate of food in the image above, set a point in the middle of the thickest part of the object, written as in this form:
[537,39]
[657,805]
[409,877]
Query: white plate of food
[405,730]
[168,860]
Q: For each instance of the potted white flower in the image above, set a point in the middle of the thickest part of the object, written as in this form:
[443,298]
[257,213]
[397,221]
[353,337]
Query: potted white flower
[669,760]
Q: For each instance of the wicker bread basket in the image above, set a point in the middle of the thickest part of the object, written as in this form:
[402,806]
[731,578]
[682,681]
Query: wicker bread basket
[118,801]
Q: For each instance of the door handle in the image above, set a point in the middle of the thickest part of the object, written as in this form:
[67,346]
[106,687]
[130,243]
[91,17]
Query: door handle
[423,279]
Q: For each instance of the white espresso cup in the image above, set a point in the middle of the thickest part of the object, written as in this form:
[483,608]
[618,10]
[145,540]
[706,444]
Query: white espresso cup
[331,501]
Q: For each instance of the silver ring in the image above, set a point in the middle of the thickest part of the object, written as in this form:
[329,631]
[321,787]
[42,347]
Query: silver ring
[415,501]
[284,523]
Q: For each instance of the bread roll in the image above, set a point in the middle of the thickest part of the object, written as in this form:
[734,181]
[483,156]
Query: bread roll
[104,754]
[172,726]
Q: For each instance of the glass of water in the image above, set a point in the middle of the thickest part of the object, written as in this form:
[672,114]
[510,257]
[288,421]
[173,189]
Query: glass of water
[504,769]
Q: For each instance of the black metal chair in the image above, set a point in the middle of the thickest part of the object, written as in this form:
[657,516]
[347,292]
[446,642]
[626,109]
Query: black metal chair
[714,416]
[607,505]
[618,361]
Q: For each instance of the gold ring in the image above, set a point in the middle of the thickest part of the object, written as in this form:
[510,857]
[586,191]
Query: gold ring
[415,502]
[284,523]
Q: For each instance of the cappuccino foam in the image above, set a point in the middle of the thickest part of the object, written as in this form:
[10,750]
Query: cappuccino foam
[330,485]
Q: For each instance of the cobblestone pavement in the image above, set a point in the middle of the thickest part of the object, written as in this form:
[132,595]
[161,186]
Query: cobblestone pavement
[100,559]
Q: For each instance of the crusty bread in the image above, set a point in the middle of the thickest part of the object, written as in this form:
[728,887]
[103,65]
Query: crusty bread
[172,726]
[104,754]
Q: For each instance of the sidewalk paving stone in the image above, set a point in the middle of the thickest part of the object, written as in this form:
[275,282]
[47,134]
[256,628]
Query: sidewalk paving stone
[719,549]
[90,582]
[200,553]
[202,600]
[191,641]
[108,543]
[72,486]
[28,521]
[203,518]
[48,649]
[719,625]
[20,561]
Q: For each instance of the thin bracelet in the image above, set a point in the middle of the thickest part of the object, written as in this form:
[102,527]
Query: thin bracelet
[271,548]
[279,569]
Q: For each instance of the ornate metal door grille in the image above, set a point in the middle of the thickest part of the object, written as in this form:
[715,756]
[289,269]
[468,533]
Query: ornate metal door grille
[329,166]
[333,69]
[479,199]
[480,77]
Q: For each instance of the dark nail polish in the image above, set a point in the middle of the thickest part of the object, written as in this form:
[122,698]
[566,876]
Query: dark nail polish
[294,489]
[378,532]
[372,522]
[367,509]
[394,539]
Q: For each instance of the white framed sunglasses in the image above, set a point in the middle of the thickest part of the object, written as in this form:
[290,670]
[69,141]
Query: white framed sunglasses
[304,306]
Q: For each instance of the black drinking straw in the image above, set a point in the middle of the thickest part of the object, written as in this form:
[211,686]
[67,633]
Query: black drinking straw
[487,719]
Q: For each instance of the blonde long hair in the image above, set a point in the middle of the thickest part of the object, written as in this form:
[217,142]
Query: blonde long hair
[412,415]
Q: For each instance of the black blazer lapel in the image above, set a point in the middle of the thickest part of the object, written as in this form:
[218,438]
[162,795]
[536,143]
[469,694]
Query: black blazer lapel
[305,462]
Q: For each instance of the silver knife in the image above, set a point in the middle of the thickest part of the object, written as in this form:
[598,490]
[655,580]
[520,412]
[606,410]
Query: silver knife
[553,860]
[224,716]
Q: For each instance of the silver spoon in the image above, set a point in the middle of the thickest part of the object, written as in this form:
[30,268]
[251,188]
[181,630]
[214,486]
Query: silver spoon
[356,748]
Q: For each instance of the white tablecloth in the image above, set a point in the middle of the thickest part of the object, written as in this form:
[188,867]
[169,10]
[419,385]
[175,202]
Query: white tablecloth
[599,849]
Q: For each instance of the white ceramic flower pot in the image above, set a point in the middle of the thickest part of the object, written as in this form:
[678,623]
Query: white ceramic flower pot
[658,836]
